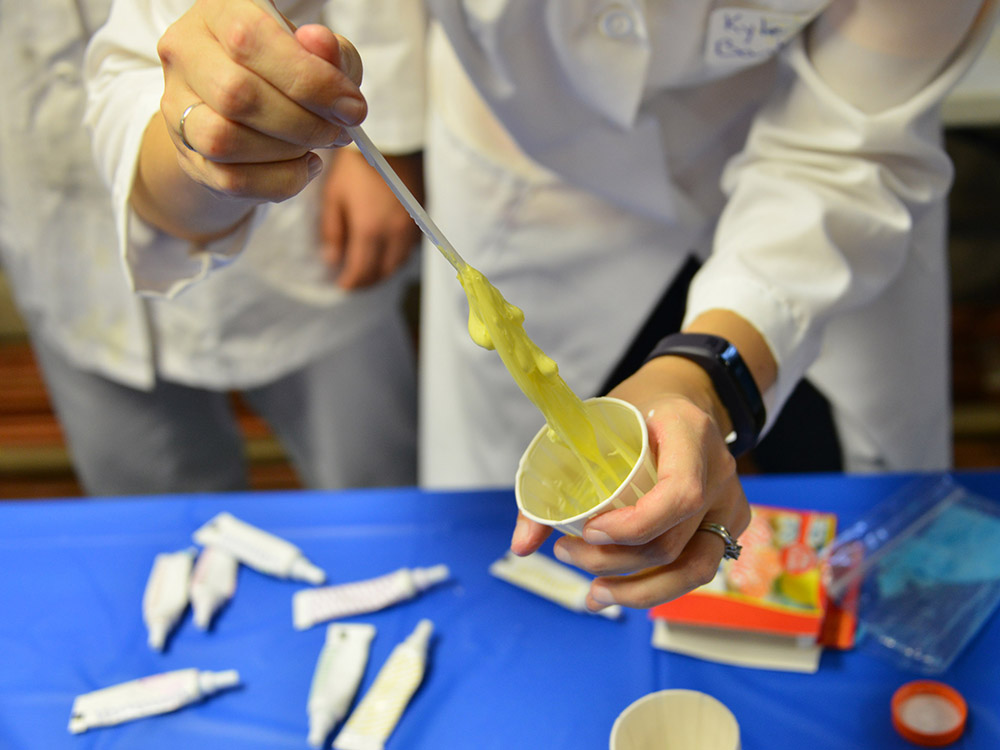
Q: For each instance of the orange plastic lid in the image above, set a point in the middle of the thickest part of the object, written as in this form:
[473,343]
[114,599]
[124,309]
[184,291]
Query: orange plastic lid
[929,713]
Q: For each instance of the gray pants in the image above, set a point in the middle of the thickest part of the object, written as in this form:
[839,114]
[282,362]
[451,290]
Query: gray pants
[348,419]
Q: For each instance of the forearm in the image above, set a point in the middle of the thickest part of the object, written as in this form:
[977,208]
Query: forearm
[822,203]
[165,197]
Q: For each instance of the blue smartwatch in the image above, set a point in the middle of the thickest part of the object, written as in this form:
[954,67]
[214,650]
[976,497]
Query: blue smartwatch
[731,379]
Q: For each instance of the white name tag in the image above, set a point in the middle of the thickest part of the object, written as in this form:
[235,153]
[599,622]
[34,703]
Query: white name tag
[742,36]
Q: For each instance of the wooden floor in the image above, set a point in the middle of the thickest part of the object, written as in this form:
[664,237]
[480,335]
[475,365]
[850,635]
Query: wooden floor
[33,458]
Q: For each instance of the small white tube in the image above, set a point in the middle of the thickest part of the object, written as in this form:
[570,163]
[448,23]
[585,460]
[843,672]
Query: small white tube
[258,549]
[339,670]
[166,596]
[549,579]
[311,606]
[213,583]
[371,723]
[148,696]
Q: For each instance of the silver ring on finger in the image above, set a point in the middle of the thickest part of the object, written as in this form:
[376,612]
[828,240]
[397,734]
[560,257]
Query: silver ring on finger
[180,125]
[733,549]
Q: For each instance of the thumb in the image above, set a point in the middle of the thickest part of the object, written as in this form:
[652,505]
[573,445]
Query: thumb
[333,48]
[528,536]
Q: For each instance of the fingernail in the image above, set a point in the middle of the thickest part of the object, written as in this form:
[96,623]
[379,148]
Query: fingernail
[593,536]
[562,554]
[348,110]
[601,594]
[315,165]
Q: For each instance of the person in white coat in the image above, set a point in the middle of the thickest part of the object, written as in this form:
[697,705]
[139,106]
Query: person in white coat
[141,384]
[590,158]
[581,153]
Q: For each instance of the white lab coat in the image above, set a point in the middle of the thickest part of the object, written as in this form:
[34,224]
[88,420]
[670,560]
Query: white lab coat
[253,320]
[578,150]
[264,318]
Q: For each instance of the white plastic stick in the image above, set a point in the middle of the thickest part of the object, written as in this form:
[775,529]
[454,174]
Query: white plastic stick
[410,203]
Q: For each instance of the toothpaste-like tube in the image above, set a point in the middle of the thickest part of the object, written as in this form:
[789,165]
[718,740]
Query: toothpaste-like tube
[257,548]
[213,583]
[339,670]
[166,596]
[311,606]
[549,579]
[371,723]
[148,696]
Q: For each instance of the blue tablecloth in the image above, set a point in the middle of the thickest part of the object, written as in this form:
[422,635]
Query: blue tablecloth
[507,669]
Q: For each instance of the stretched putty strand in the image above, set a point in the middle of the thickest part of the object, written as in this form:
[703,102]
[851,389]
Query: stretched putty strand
[339,670]
[148,696]
[371,723]
[311,606]
[166,596]
[257,548]
[213,583]
[550,579]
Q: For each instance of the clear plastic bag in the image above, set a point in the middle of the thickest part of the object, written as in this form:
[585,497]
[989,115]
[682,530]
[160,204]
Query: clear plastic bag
[925,566]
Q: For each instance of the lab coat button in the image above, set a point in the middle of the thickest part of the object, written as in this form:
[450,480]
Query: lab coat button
[617,23]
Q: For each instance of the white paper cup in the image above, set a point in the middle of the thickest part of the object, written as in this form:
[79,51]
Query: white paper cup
[676,720]
[544,461]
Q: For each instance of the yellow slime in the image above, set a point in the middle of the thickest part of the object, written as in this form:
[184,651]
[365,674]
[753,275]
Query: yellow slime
[496,324]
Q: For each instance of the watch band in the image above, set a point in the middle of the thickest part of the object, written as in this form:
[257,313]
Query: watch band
[731,379]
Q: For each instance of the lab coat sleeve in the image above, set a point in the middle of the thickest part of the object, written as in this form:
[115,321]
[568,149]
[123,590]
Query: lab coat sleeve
[391,37]
[124,86]
[821,203]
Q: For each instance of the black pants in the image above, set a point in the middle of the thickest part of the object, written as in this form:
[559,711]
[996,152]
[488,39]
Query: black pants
[802,439]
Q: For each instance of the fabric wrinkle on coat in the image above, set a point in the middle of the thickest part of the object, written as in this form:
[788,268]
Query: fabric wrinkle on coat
[499,126]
